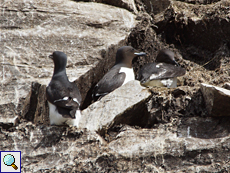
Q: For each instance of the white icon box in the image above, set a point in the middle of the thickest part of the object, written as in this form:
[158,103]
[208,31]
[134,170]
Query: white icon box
[10,161]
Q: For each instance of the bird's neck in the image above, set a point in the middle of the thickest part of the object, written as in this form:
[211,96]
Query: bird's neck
[124,64]
[59,68]
[60,75]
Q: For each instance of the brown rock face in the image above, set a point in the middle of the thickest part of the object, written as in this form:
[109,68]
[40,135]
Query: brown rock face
[160,130]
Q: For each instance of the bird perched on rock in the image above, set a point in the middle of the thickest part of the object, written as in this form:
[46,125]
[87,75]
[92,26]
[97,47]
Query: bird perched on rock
[162,73]
[119,74]
[63,96]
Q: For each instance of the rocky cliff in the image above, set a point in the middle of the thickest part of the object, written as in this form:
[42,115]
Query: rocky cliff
[133,129]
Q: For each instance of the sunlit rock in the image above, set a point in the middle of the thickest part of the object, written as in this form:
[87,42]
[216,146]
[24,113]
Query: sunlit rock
[32,30]
[114,107]
[162,150]
[127,4]
[49,147]
[217,100]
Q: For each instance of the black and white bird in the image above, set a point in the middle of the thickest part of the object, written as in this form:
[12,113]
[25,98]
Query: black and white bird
[63,96]
[121,73]
[162,73]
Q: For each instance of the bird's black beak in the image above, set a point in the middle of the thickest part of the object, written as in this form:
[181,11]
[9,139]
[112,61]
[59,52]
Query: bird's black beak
[51,56]
[140,54]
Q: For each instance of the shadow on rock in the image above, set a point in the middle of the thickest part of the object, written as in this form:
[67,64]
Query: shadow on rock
[51,136]
[167,104]
[204,127]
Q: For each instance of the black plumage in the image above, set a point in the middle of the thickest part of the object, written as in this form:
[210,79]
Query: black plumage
[62,93]
[165,67]
[113,79]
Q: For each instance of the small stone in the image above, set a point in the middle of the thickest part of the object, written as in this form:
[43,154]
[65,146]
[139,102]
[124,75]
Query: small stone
[226,86]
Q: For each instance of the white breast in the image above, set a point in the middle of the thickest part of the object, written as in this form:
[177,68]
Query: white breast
[169,83]
[57,119]
[129,74]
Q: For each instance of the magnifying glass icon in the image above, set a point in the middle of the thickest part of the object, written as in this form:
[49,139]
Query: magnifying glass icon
[9,160]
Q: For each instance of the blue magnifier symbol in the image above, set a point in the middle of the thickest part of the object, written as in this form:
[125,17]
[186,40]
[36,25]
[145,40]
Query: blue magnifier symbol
[9,161]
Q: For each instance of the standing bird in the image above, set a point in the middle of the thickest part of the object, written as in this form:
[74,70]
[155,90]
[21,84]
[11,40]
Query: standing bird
[63,96]
[163,73]
[119,74]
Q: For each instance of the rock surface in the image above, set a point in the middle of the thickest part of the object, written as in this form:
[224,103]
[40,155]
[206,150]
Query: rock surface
[47,147]
[104,113]
[126,4]
[216,99]
[161,149]
[173,132]
[30,31]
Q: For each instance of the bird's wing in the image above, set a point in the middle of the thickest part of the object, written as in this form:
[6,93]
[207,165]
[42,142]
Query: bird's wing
[111,81]
[63,95]
[74,93]
[155,71]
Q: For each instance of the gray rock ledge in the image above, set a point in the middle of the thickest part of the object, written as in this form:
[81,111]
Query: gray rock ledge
[112,108]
